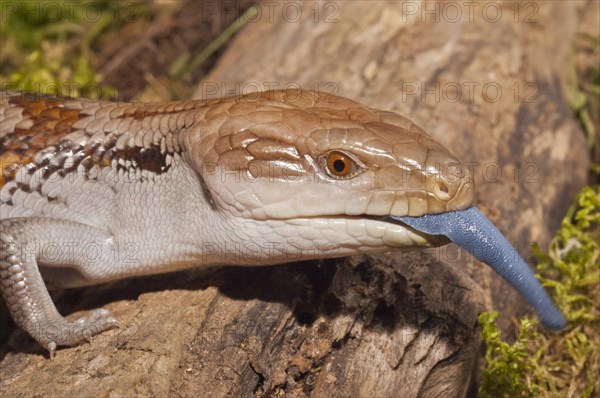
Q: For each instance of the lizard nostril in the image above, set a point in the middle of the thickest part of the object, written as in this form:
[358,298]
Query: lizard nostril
[441,191]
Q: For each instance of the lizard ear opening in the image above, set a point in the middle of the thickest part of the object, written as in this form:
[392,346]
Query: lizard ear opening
[208,197]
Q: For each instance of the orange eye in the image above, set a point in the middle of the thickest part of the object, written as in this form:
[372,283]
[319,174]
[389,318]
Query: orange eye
[340,165]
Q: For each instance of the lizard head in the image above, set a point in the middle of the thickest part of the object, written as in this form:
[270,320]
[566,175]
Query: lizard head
[291,155]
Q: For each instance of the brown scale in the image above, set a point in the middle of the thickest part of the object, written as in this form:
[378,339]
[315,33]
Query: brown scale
[51,121]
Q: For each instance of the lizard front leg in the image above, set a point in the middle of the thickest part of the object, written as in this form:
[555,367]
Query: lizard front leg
[25,243]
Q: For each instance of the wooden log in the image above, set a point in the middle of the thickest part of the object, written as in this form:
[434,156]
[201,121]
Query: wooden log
[400,324]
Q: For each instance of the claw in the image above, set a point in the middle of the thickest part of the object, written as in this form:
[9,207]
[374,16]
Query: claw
[51,349]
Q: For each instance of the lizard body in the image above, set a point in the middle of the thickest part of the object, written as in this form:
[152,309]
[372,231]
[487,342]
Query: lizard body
[93,191]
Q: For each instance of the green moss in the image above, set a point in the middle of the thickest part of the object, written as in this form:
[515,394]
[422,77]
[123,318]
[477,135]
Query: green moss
[47,46]
[582,89]
[540,364]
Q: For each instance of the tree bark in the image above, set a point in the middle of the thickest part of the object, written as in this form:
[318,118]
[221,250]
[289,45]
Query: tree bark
[401,324]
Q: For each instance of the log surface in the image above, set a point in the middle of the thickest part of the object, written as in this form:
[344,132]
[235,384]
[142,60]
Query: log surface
[397,325]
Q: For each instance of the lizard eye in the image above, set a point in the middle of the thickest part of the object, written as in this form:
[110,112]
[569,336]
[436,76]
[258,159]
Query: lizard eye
[338,164]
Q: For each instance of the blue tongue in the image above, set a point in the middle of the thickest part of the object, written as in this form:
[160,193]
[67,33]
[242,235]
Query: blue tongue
[472,231]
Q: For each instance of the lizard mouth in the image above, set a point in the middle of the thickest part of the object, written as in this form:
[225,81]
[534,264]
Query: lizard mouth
[431,237]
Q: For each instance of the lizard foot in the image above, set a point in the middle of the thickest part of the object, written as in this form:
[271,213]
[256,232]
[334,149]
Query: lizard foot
[21,284]
[72,333]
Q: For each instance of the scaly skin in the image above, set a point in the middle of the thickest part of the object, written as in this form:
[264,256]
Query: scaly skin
[93,191]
